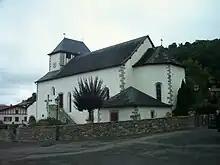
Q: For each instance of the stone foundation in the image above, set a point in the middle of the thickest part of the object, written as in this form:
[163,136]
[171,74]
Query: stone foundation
[110,129]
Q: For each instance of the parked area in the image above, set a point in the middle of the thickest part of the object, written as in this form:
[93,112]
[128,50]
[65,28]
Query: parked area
[196,146]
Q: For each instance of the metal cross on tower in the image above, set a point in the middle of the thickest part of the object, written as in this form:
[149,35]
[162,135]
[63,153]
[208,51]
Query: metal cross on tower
[161,40]
[47,102]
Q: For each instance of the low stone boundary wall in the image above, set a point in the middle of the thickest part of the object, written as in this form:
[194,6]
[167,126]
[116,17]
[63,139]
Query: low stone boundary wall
[110,129]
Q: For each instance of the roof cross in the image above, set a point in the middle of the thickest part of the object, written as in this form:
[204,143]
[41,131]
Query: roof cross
[161,40]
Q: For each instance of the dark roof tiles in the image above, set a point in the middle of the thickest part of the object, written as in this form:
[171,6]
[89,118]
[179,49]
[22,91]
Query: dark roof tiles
[70,46]
[132,97]
[157,55]
[100,59]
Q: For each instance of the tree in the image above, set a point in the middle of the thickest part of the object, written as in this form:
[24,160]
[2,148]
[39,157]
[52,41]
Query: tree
[184,100]
[90,95]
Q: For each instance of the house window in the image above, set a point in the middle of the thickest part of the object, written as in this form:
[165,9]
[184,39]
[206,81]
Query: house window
[69,102]
[16,119]
[152,114]
[53,91]
[158,91]
[7,119]
[25,118]
[16,112]
[114,116]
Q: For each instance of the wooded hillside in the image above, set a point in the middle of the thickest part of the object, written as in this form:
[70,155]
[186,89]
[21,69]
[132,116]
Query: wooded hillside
[202,61]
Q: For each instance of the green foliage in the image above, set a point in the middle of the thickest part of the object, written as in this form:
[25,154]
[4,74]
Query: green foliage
[206,108]
[49,121]
[90,95]
[202,61]
[32,120]
[184,100]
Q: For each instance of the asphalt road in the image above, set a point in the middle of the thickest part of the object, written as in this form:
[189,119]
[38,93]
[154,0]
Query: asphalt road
[200,146]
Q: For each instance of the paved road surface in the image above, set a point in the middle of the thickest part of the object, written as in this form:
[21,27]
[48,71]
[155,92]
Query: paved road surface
[200,146]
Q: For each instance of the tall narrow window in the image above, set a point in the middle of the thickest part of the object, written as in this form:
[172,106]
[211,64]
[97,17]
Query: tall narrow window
[69,102]
[158,91]
[61,100]
[152,114]
[53,92]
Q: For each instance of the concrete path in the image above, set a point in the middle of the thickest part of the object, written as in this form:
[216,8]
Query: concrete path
[200,146]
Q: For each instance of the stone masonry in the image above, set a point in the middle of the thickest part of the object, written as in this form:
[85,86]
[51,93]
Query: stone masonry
[95,130]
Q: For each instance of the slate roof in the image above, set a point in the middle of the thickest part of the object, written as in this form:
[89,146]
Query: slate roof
[132,97]
[70,46]
[157,55]
[49,76]
[100,59]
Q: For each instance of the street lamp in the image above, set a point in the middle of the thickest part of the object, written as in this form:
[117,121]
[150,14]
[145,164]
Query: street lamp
[57,108]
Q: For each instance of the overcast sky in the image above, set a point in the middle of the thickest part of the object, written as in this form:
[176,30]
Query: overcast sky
[30,29]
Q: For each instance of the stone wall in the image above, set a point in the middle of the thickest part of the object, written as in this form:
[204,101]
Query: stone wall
[115,129]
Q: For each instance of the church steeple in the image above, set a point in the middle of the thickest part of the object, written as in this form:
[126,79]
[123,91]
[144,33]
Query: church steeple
[65,51]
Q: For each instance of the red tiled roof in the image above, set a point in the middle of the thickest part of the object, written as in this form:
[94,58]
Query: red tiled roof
[3,106]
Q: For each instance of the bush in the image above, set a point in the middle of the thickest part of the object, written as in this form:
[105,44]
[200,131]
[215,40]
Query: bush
[49,121]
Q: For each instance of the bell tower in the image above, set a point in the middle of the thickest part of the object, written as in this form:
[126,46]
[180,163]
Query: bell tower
[66,50]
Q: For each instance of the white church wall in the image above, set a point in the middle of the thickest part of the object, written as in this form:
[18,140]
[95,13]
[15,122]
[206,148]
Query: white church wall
[109,76]
[124,114]
[129,74]
[32,111]
[145,112]
[147,76]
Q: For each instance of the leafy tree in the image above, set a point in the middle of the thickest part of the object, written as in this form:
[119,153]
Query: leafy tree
[90,95]
[184,100]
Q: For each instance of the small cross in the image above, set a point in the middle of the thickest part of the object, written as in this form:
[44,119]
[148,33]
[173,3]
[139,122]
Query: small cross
[47,102]
[161,40]
[64,35]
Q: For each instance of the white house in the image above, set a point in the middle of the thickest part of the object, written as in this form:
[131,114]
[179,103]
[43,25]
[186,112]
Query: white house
[19,113]
[142,79]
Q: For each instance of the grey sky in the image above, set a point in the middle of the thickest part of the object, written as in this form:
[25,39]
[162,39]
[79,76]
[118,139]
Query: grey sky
[30,29]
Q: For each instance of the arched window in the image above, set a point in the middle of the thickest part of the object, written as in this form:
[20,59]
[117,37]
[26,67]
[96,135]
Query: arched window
[53,92]
[69,102]
[158,90]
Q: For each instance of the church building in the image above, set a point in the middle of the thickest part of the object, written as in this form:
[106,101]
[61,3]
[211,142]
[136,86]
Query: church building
[143,80]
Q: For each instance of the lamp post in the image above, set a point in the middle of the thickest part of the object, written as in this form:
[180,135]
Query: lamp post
[57,108]
[57,101]
[195,90]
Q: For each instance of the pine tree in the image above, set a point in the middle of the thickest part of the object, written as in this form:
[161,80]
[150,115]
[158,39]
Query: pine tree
[184,100]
